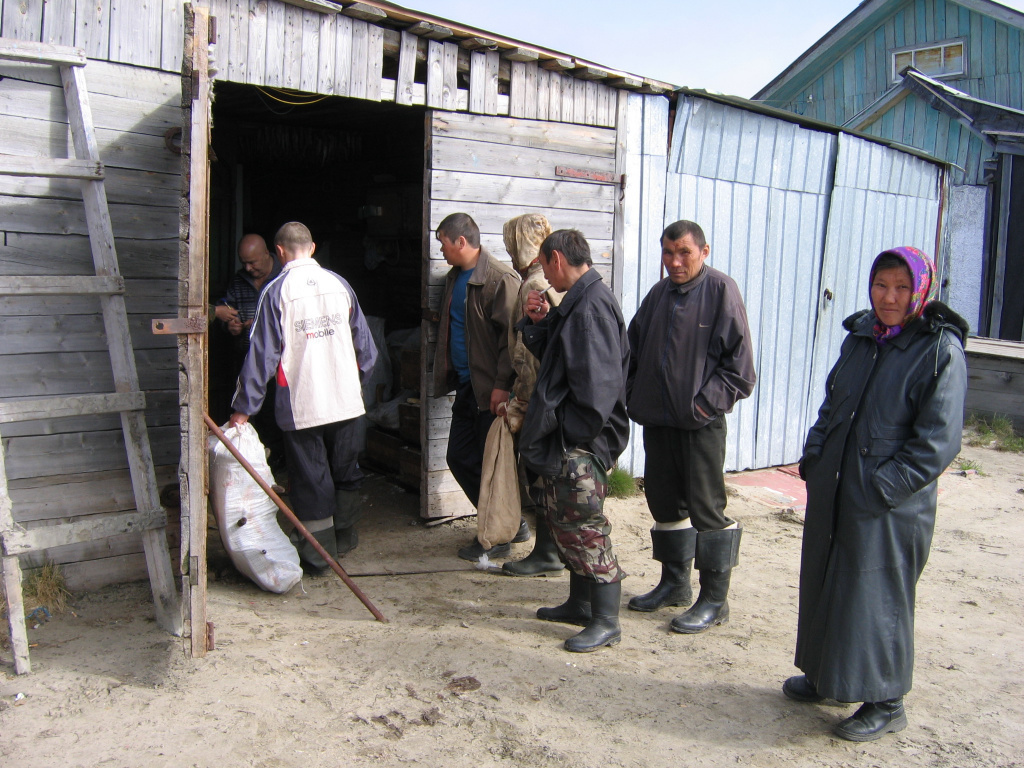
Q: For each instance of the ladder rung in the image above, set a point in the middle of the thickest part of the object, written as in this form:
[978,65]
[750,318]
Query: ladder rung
[18,542]
[49,286]
[74,405]
[41,53]
[55,168]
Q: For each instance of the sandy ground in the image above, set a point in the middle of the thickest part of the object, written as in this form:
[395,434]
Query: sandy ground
[465,676]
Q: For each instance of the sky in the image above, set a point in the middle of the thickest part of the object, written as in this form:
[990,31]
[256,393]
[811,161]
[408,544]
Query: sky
[729,46]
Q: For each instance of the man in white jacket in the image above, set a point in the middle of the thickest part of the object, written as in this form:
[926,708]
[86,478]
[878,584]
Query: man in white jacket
[311,336]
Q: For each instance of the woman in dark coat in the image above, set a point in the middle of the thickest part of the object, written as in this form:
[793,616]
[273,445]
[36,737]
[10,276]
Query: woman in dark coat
[890,424]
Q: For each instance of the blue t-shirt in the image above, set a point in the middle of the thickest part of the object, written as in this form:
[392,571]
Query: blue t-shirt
[457,312]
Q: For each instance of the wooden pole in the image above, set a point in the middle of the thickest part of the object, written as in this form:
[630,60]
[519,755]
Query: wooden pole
[291,516]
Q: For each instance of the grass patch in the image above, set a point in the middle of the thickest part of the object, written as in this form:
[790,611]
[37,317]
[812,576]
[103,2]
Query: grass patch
[44,587]
[968,464]
[996,432]
[621,484]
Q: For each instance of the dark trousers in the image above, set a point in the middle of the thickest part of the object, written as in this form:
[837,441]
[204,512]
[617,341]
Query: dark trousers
[466,440]
[322,460]
[683,475]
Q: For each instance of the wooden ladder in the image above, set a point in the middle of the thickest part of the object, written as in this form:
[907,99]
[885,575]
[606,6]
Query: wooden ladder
[149,518]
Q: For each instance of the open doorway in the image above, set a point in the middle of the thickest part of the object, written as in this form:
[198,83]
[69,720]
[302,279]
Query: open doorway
[352,171]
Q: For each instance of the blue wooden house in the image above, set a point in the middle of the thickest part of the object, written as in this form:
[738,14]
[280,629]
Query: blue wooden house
[944,77]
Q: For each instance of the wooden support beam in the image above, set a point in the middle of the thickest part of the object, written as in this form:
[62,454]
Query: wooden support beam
[589,72]
[520,54]
[62,407]
[627,82]
[476,43]
[57,286]
[557,65]
[91,528]
[364,12]
[45,167]
[41,53]
[314,5]
[429,31]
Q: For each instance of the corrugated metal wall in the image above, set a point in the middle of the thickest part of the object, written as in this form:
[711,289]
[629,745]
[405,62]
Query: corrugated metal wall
[644,136]
[883,198]
[759,186]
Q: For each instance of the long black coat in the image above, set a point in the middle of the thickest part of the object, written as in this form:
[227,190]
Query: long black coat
[890,424]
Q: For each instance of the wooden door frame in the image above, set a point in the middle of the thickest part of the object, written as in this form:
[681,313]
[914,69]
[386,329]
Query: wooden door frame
[193,277]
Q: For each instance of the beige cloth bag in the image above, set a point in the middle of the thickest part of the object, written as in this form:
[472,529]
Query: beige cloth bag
[499,511]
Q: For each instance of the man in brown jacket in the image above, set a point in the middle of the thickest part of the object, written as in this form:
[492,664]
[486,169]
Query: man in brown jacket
[691,361]
[472,356]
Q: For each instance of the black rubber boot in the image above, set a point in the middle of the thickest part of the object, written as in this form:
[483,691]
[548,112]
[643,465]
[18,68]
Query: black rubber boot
[603,627]
[543,560]
[523,534]
[716,554]
[311,560]
[675,551]
[349,512]
[873,720]
[575,610]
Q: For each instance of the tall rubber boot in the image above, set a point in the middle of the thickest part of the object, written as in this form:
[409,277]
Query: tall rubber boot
[603,627]
[543,560]
[349,511]
[575,610]
[323,532]
[717,553]
[674,549]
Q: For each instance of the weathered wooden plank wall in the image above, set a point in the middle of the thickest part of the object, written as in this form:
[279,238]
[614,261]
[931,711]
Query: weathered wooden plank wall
[64,468]
[264,42]
[145,33]
[494,168]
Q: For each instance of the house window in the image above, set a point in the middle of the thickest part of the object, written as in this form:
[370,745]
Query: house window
[940,60]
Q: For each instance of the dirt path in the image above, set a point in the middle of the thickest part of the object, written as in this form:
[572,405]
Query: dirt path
[464,676]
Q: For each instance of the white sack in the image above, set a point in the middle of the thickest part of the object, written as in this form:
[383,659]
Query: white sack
[246,516]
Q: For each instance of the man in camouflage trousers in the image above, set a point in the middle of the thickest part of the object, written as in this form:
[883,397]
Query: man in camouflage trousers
[575,428]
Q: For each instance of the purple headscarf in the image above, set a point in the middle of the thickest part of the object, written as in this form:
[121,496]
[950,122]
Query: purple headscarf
[922,274]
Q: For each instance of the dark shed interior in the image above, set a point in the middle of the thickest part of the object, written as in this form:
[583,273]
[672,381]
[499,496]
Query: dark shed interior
[351,170]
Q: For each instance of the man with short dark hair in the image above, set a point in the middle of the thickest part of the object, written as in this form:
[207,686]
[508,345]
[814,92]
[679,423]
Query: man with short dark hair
[472,356]
[310,334]
[692,360]
[575,428]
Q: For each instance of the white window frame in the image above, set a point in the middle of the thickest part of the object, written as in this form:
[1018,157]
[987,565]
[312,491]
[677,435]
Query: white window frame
[941,44]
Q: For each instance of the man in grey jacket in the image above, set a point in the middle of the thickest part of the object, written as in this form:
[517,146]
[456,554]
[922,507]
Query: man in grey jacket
[692,360]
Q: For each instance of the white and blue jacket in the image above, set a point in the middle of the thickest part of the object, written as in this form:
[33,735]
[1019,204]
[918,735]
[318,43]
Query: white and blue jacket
[309,333]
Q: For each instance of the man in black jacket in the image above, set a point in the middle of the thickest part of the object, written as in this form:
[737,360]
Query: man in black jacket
[575,428]
[691,362]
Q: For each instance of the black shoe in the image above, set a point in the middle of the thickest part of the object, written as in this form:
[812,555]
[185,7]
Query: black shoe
[603,627]
[873,720]
[799,688]
[575,610]
[523,534]
[542,561]
[473,551]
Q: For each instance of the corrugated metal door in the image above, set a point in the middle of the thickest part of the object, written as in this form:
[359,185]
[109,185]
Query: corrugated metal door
[759,187]
[495,168]
[882,198]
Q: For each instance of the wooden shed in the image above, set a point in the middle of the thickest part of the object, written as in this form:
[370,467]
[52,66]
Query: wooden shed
[367,121]
[370,123]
